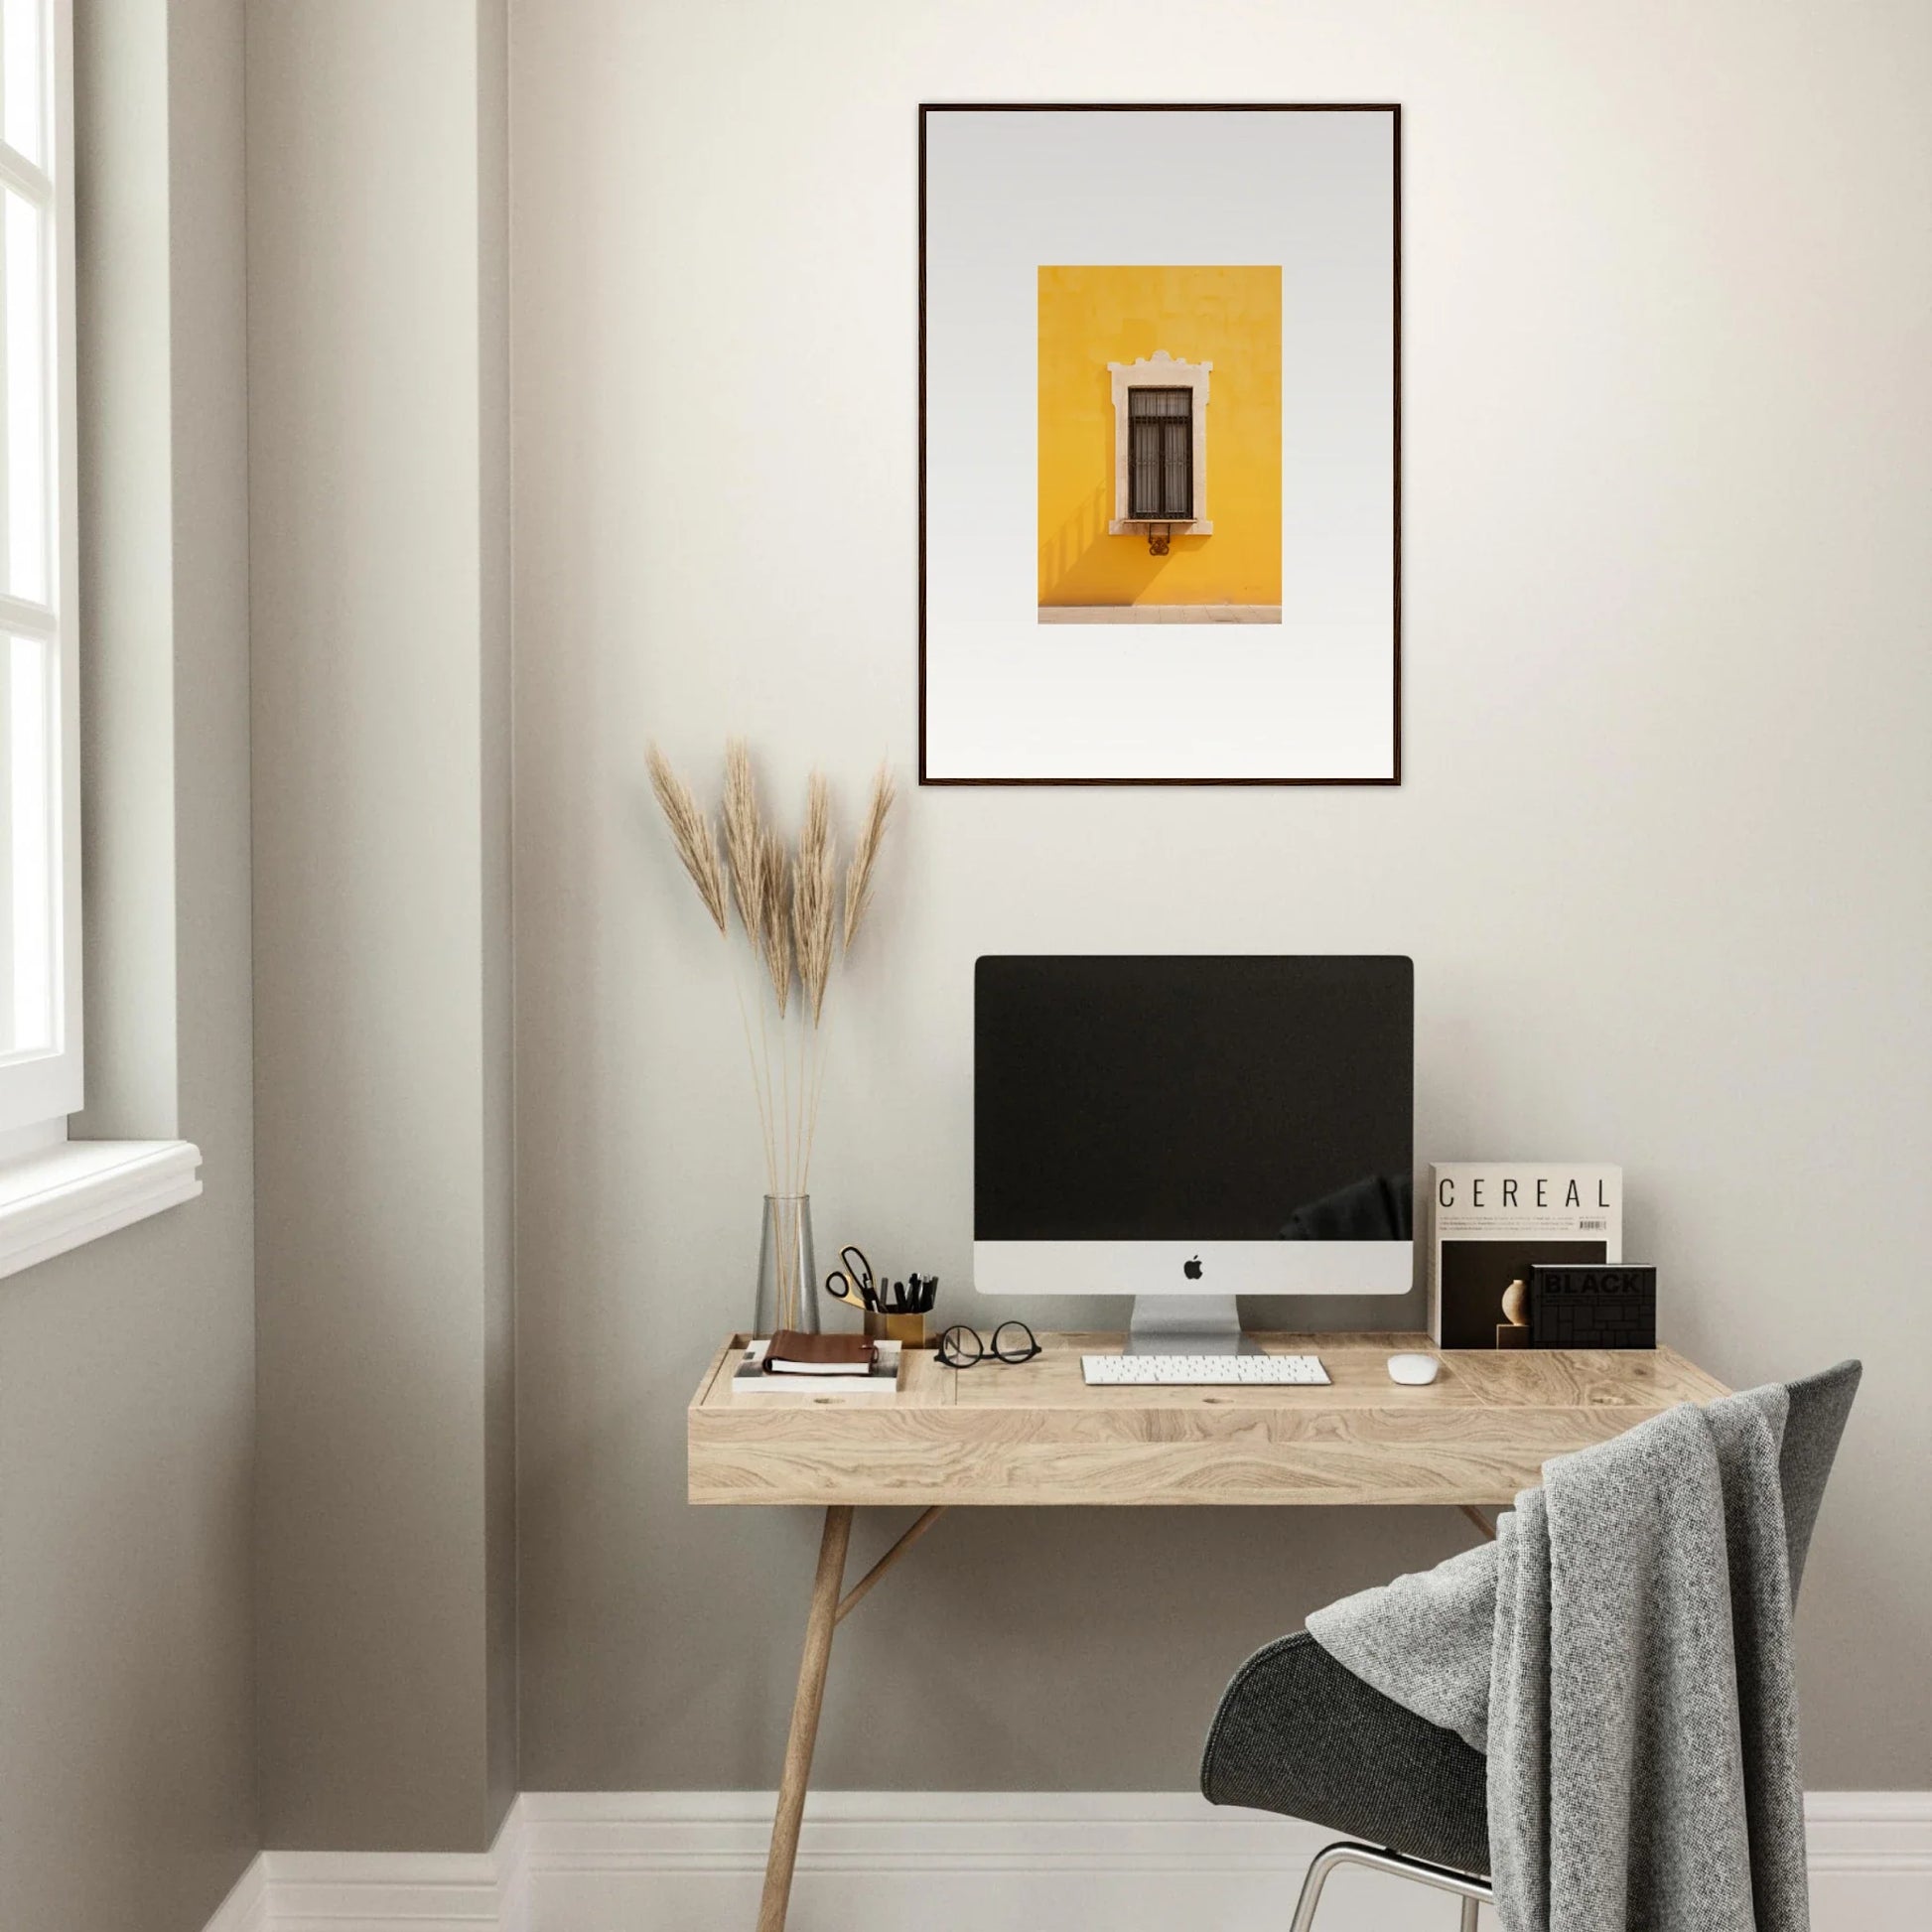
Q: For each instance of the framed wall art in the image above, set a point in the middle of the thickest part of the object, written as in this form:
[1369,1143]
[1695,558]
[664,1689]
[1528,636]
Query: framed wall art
[1158,444]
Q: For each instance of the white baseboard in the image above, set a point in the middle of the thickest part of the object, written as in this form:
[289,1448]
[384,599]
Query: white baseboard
[245,1909]
[955,1862]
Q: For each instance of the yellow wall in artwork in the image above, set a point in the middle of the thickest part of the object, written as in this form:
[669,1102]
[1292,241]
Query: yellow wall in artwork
[1090,316]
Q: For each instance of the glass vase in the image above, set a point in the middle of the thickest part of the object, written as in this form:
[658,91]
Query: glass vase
[787,1270]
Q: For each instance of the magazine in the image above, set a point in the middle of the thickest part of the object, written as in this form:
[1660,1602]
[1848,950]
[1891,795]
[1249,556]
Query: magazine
[1489,1220]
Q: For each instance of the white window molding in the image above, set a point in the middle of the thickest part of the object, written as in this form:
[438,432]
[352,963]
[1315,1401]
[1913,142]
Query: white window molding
[57,1193]
[41,1065]
[78,1190]
[1158,371]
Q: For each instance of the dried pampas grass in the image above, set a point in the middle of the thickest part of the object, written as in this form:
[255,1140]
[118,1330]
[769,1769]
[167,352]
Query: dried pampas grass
[774,921]
[814,888]
[864,854]
[787,906]
[744,837]
[691,834]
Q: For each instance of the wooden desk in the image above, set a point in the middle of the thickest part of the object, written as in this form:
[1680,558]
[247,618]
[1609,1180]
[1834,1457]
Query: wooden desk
[1033,1433]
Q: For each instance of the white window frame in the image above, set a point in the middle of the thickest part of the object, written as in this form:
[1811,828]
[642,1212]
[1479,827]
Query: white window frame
[39,1089]
[57,1193]
[1158,371]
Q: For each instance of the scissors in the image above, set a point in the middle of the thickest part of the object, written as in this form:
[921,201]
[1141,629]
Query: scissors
[851,1281]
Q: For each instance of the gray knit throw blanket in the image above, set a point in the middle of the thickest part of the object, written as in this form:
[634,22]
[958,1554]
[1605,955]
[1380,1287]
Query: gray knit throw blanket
[1622,1652]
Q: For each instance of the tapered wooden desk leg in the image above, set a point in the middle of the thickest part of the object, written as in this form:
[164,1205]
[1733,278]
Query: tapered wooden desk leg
[804,1718]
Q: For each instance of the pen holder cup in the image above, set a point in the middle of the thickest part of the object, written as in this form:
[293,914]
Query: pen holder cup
[908,1329]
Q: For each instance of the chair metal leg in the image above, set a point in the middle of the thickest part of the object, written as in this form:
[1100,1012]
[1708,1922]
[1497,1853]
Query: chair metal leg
[1472,1890]
[1325,1862]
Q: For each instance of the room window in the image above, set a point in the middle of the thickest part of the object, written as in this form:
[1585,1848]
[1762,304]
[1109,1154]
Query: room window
[55,1192]
[1159,447]
[40,901]
[1160,434]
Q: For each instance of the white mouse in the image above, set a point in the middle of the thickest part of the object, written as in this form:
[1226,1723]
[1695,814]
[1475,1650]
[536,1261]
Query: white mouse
[1414,1370]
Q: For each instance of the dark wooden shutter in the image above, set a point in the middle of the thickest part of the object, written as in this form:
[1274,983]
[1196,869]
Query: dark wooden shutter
[1160,454]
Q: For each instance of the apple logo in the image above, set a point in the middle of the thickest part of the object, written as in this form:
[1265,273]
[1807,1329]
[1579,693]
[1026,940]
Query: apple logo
[1191,1268]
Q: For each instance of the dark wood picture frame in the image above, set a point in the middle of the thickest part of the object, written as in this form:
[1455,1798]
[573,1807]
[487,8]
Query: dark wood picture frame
[1391,108]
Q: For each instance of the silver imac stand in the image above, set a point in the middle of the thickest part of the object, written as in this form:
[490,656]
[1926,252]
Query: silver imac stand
[1186,1324]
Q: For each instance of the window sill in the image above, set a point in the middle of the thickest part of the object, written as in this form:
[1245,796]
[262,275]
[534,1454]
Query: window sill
[1139,526]
[81,1189]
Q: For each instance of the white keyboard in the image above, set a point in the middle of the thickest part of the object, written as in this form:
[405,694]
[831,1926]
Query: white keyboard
[1201,1371]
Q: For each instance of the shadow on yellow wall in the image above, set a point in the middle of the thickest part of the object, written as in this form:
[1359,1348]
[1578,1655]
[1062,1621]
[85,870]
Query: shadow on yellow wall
[1231,317]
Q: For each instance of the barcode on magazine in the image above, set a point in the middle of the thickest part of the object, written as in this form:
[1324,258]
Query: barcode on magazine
[1599,1226]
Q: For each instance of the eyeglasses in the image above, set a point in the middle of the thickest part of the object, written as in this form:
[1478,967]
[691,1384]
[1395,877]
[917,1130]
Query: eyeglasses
[1013,1341]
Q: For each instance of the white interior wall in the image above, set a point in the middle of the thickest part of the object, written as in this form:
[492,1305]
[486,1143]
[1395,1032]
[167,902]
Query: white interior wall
[1659,852]
[377,401]
[127,1637]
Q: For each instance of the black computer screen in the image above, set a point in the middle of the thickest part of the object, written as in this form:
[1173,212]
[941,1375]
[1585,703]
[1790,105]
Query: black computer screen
[1241,1098]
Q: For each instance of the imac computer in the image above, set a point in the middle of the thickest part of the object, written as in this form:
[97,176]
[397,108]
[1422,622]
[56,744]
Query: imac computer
[1189,1129]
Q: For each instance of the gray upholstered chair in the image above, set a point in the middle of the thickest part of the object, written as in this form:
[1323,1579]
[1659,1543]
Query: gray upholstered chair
[1298,1734]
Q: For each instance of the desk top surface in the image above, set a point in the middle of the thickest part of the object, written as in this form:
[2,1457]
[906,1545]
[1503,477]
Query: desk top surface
[1035,1434]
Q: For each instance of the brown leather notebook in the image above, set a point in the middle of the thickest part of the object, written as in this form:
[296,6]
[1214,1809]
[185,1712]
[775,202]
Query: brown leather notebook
[794,1353]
